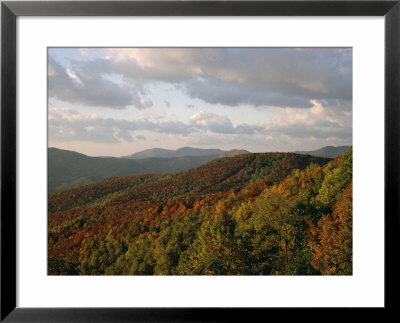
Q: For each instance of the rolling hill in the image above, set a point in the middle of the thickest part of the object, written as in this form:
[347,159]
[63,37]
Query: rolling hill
[326,152]
[217,175]
[67,169]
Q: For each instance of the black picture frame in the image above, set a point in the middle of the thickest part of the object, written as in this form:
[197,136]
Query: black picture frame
[10,10]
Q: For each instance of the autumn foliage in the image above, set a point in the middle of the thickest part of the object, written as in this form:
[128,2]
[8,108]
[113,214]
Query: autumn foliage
[252,214]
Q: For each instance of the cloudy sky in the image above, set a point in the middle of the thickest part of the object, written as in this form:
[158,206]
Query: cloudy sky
[117,101]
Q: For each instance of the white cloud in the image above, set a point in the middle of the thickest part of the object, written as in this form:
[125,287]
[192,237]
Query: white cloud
[316,122]
[212,121]
[73,76]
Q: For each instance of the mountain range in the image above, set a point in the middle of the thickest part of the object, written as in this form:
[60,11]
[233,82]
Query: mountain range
[326,152]
[68,169]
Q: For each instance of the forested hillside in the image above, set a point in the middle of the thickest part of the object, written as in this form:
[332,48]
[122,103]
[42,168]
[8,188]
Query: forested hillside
[252,214]
[69,169]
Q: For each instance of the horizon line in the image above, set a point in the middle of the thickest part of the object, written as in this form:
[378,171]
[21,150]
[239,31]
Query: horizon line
[252,152]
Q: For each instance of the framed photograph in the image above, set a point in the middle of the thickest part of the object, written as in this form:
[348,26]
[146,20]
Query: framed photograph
[197,161]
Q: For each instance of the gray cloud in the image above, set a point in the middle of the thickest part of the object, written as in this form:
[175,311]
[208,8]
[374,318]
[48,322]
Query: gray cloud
[215,91]
[68,125]
[280,77]
[90,89]
[312,73]
[275,76]
[245,129]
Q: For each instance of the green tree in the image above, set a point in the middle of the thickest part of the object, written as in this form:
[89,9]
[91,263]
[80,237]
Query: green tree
[338,176]
[214,252]
[272,215]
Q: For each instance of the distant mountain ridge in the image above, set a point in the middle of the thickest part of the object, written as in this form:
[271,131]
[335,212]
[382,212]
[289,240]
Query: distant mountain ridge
[183,152]
[326,152]
[68,169]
